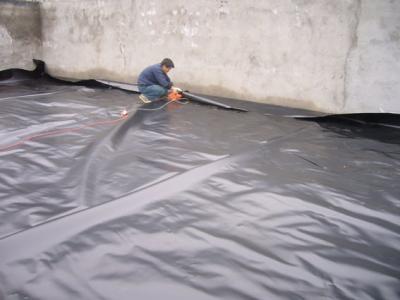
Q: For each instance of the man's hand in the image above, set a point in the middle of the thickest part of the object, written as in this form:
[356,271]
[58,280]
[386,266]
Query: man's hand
[176,89]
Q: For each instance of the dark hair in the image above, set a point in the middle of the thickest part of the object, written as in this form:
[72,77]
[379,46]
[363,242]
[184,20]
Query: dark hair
[168,63]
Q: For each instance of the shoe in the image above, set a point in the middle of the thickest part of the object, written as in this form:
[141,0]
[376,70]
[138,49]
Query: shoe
[144,98]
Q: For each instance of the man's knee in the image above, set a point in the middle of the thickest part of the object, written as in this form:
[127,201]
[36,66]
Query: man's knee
[155,92]
[160,90]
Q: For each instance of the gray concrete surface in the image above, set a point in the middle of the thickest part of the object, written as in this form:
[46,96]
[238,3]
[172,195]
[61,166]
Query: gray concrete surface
[332,56]
[373,68]
[20,34]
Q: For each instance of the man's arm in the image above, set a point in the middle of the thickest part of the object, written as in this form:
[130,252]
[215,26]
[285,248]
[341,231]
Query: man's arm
[162,79]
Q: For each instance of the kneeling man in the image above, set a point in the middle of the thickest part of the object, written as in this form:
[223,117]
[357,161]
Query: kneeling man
[154,82]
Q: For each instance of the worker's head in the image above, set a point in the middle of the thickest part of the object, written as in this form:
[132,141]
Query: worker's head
[166,65]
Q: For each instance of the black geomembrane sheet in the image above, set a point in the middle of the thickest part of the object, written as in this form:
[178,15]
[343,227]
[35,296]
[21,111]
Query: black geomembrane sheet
[188,201]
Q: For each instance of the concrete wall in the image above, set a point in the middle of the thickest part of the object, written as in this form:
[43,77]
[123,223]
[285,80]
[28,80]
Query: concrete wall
[20,34]
[333,56]
[373,67]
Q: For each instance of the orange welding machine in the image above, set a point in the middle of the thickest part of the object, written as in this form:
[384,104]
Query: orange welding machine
[174,95]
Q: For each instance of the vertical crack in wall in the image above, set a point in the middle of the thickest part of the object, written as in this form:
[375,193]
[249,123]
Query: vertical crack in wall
[41,31]
[354,42]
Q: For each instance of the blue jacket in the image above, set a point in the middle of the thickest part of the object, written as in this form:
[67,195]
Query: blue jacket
[154,75]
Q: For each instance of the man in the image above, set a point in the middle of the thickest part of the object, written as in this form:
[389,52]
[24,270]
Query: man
[154,82]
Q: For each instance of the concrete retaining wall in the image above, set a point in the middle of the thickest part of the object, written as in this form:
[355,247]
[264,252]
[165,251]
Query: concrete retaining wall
[20,34]
[333,56]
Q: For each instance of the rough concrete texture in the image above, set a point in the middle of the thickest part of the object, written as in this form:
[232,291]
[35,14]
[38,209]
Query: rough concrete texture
[332,56]
[20,34]
[275,51]
[373,69]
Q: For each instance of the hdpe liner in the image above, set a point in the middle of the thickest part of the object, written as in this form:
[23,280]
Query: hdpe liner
[190,201]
